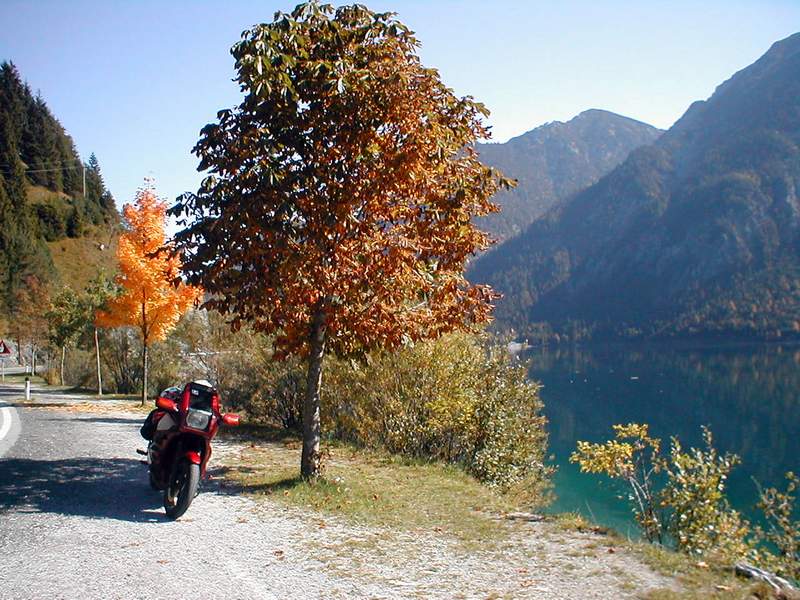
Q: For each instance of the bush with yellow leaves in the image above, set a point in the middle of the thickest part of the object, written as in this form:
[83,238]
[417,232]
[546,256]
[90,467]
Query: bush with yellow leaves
[632,456]
[690,508]
[782,528]
[702,521]
[457,399]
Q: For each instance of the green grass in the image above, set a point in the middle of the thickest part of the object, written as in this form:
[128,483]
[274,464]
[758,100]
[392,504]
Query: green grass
[375,489]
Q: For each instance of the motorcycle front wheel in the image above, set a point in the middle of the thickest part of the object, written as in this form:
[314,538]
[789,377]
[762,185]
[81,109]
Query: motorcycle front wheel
[181,489]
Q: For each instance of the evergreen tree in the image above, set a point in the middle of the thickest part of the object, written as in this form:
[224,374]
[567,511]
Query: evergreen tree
[25,254]
[68,155]
[35,150]
[13,170]
[99,201]
[39,147]
[6,233]
[12,99]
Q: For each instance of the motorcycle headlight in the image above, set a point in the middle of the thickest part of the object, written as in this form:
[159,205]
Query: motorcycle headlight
[198,419]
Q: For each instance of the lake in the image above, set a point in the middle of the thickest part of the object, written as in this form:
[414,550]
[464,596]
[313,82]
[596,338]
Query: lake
[748,396]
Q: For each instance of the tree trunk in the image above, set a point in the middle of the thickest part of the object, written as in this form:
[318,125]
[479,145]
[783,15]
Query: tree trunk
[33,360]
[310,461]
[63,356]
[144,373]
[97,354]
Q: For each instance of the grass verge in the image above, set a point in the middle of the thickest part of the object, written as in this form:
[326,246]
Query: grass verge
[374,489]
[20,378]
[698,579]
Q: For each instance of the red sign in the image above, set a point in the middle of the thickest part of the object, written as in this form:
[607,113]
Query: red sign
[4,351]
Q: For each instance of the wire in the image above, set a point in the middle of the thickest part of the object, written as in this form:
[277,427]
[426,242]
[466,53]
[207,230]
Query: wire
[10,170]
[46,170]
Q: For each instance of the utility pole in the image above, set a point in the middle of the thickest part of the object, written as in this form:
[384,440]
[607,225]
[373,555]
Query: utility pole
[84,180]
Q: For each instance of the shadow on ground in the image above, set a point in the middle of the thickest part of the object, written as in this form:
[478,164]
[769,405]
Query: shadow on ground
[113,488]
[230,476]
[137,421]
[36,404]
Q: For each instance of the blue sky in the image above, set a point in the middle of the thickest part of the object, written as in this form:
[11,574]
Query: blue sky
[135,81]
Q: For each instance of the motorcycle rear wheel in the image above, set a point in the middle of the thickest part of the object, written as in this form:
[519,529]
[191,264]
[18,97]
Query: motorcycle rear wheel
[181,489]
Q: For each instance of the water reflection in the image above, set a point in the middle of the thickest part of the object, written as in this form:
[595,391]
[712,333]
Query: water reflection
[748,396]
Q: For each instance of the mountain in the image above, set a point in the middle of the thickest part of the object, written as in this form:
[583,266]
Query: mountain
[695,235]
[556,160]
[47,194]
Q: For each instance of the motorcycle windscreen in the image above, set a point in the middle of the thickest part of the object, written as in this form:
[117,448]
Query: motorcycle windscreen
[200,397]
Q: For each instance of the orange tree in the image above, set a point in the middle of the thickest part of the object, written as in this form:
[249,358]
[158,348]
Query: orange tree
[337,209]
[150,300]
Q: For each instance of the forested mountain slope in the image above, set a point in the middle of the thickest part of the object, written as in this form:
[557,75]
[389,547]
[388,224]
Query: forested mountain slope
[695,235]
[42,196]
[556,160]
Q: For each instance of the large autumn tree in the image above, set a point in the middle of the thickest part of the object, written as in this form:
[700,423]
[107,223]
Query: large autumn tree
[337,210]
[152,297]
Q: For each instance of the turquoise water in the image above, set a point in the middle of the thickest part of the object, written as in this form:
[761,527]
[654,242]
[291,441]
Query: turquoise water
[749,396]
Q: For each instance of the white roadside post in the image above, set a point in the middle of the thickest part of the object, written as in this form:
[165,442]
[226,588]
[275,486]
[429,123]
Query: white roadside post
[27,389]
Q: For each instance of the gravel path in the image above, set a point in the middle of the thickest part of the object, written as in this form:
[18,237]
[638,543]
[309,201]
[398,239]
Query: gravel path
[78,520]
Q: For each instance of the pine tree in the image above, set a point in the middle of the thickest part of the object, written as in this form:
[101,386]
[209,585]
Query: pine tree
[12,100]
[68,155]
[6,225]
[39,147]
[26,255]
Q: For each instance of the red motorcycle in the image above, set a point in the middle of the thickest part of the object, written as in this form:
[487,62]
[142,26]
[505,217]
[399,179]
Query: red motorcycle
[180,431]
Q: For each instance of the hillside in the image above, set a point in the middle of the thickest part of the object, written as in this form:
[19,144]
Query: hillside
[78,260]
[556,160]
[695,235]
[53,206]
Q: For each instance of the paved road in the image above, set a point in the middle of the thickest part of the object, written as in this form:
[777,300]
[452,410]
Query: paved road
[78,520]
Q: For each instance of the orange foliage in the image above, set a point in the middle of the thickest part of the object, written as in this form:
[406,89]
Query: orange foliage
[344,186]
[149,301]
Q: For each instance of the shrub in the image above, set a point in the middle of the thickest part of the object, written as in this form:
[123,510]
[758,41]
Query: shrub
[702,520]
[52,376]
[783,527]
[166,366]
[120,349]
[79,368]
[241,366]
[52,222]
[691,507]
[633,457]
[454,399]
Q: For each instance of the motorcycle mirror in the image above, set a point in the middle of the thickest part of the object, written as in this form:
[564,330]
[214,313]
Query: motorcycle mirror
[230,419]
[166,404]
